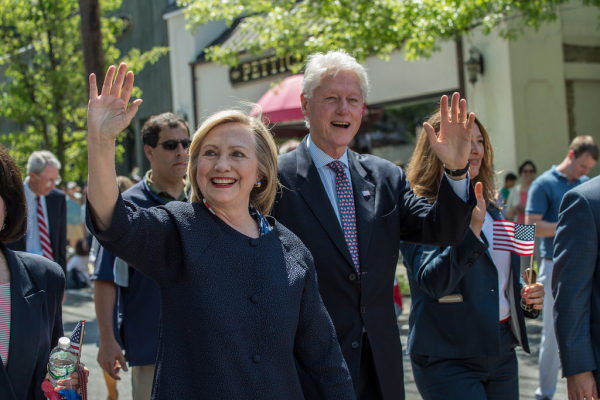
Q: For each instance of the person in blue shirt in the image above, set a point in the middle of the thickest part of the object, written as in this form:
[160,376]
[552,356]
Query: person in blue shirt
[543,202]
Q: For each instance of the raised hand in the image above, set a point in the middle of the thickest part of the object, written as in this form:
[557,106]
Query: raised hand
[108,114]
[453,145]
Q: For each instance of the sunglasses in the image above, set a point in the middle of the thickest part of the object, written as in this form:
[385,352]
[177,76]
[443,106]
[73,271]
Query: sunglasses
[528,171]
[172,144]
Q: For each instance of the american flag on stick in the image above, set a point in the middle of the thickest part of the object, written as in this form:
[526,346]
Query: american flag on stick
[517,238]
[76,338]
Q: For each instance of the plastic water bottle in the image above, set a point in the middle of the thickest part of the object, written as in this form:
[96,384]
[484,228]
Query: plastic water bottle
[62,362]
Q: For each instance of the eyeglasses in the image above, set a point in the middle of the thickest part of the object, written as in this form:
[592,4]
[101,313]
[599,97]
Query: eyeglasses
[50,181]
[172,144]
[528,171]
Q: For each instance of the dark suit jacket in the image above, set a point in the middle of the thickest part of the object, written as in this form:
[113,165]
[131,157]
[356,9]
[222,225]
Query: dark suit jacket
[390,212]
[234,310]
[467,329]
[37,286]
[576,280]
[56,204]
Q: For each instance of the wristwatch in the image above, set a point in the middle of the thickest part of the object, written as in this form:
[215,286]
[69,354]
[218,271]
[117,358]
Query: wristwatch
[457,172]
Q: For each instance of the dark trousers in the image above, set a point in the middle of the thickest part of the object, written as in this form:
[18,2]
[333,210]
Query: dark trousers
[368,382]
[485,378]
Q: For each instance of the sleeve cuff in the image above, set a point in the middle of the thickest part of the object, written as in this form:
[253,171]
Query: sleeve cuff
[461,188]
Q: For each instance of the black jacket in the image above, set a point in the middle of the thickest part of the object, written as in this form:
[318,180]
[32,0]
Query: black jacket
[37,286]
[235,310]
[56,204]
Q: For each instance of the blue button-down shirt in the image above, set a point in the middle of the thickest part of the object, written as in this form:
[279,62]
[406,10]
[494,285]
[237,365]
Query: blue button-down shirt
[544,198]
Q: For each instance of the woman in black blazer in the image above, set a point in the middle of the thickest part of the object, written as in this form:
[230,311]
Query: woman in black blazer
[239,295]
[31,294]
[466,318]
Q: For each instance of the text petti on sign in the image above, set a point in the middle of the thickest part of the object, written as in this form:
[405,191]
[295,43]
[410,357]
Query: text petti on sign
[261,68]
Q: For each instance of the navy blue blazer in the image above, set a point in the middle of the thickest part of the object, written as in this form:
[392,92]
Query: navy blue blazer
[466,329]
[37,286]
[235,310]
[56,204]
[576,280]
[387,211]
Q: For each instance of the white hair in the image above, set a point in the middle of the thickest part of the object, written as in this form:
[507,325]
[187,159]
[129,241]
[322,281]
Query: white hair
[319,65]
[39,159]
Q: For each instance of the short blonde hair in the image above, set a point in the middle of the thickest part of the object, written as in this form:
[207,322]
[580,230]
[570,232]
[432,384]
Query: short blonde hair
[266,151]
[424,168]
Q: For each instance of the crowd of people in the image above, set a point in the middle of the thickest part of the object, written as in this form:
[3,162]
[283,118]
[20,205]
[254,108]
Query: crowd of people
[233,269]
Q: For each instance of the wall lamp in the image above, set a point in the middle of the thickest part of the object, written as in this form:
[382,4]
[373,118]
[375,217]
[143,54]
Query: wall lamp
[474,64]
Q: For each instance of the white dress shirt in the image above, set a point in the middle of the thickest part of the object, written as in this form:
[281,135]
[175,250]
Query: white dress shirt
[501,260]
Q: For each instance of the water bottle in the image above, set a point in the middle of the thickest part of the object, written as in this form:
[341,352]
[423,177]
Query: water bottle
[62,362]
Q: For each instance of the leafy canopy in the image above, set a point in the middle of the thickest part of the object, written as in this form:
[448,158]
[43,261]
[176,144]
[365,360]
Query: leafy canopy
[43,89]
[363,27]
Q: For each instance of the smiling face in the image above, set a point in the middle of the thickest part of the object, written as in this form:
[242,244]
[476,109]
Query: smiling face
[334,112]
[227,167]
[477,150]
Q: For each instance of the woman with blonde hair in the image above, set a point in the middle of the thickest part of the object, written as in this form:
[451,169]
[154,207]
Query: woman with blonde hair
[240,302]
[466,318]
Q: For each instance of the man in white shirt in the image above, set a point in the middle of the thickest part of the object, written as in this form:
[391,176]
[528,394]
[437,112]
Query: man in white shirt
[47,210]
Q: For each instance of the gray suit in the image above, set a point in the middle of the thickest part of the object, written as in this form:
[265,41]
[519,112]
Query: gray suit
[576,280]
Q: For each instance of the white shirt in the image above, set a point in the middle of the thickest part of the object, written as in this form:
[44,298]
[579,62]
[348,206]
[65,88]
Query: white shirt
[501,260]
[33,244]
[321,159]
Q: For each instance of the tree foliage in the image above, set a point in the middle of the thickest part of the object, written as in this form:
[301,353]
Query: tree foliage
[44,85]
[363,27]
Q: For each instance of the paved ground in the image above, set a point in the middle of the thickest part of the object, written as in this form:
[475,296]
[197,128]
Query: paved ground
[79,305]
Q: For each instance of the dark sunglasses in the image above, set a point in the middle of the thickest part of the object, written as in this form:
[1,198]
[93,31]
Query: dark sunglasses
[172,144]
[528,171]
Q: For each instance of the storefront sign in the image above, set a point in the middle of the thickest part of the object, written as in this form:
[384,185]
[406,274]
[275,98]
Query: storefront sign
[261,68]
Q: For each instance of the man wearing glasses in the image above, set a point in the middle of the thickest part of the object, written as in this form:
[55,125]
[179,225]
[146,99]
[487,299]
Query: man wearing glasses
[166,139]
[47,210]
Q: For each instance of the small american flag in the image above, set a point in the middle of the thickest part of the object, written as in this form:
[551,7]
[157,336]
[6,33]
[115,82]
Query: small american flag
[510,236]
[76,338]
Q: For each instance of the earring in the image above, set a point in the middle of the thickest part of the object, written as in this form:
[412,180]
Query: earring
[257,184]
[3,226]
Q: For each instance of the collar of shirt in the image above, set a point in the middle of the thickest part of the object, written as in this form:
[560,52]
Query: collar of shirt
[166,197]
[320,158]
[562,176]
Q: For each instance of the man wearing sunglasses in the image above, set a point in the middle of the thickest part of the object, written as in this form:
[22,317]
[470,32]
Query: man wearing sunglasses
[166,139]
[46,210]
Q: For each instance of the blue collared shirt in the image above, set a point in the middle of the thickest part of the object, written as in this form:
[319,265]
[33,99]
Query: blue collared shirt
[544,198]
[321,160]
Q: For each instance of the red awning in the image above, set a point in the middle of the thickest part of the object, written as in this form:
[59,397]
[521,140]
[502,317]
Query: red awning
[281,103]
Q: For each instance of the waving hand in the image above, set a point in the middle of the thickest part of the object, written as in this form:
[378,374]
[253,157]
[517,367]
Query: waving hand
[453,145]
[108,114]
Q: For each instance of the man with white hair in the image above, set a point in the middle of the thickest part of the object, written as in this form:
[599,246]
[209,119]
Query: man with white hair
[47,210]
[353,210]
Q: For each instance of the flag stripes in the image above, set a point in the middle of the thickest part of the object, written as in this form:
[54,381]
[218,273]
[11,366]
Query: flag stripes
[513,237]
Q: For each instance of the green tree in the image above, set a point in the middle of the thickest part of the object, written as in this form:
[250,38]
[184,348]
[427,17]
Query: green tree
[363,27]
[43,89]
